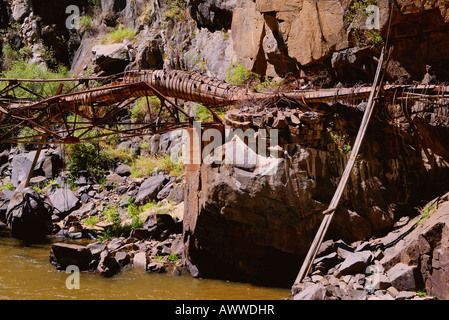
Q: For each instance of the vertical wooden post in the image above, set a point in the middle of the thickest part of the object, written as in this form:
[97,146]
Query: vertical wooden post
[193,150]
[195,147]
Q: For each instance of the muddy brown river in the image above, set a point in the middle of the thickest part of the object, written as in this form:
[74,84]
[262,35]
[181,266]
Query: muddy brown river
[26,274]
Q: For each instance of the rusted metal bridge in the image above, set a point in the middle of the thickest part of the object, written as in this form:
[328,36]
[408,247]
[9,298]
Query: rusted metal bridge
[77,106]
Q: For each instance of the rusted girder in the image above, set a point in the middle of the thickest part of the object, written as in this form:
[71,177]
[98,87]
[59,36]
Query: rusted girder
[98,106]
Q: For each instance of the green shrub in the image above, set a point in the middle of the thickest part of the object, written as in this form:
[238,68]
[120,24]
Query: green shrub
[172,258]
[146,166]
[426,212]
[117,228]
[10,56]
[238,75]
[7,186]
[119,35]
[140,109]
[134,214]
[124,155]
[86,23]
[20,69]
[26,134]
[87,157]
[146,14]
[112,216]
[422,293]
[357,15]
[91,221]
[176,11]
[202,114]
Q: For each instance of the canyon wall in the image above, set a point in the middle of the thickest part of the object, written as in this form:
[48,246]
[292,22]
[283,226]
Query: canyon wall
[322,41]
[241,222]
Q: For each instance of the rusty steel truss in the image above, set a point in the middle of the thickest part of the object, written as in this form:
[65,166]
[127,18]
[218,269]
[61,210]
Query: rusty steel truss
[78,110]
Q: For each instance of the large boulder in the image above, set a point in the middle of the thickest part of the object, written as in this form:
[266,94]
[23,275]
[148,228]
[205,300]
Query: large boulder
[112,58]
[27,217]
[63,200]
[316,31]
[108,266]
[149,189]
[21,165]
[356,262]
[48,164]
[404,277]
[63,255]
[149,54]
[160,226]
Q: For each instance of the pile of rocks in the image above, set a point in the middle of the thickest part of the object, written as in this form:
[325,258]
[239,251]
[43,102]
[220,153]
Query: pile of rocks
[92,200]
[357,274]
[408,263]
[109,257]
[50,207]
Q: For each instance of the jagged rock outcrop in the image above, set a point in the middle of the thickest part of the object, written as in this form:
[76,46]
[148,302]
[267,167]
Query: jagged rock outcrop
[425,252]
[410,262]
[281,37]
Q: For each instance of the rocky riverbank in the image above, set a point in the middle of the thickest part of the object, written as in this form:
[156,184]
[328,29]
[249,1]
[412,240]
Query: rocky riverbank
[122,222]
[410,262]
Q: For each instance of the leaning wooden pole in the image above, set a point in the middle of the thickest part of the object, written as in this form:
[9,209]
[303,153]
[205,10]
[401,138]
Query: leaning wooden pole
[307,264]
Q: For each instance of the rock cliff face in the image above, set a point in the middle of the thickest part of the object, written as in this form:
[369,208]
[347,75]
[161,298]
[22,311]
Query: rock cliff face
[240,221]
[323,41]
[290,36]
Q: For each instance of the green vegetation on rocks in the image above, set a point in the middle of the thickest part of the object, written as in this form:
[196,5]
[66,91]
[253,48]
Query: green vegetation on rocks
[118,35]
[16,66]
[357,16]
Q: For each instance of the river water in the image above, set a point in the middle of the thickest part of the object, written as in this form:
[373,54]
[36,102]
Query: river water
[26,273]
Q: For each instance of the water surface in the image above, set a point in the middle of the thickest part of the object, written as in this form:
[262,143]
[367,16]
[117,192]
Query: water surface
[26,273]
